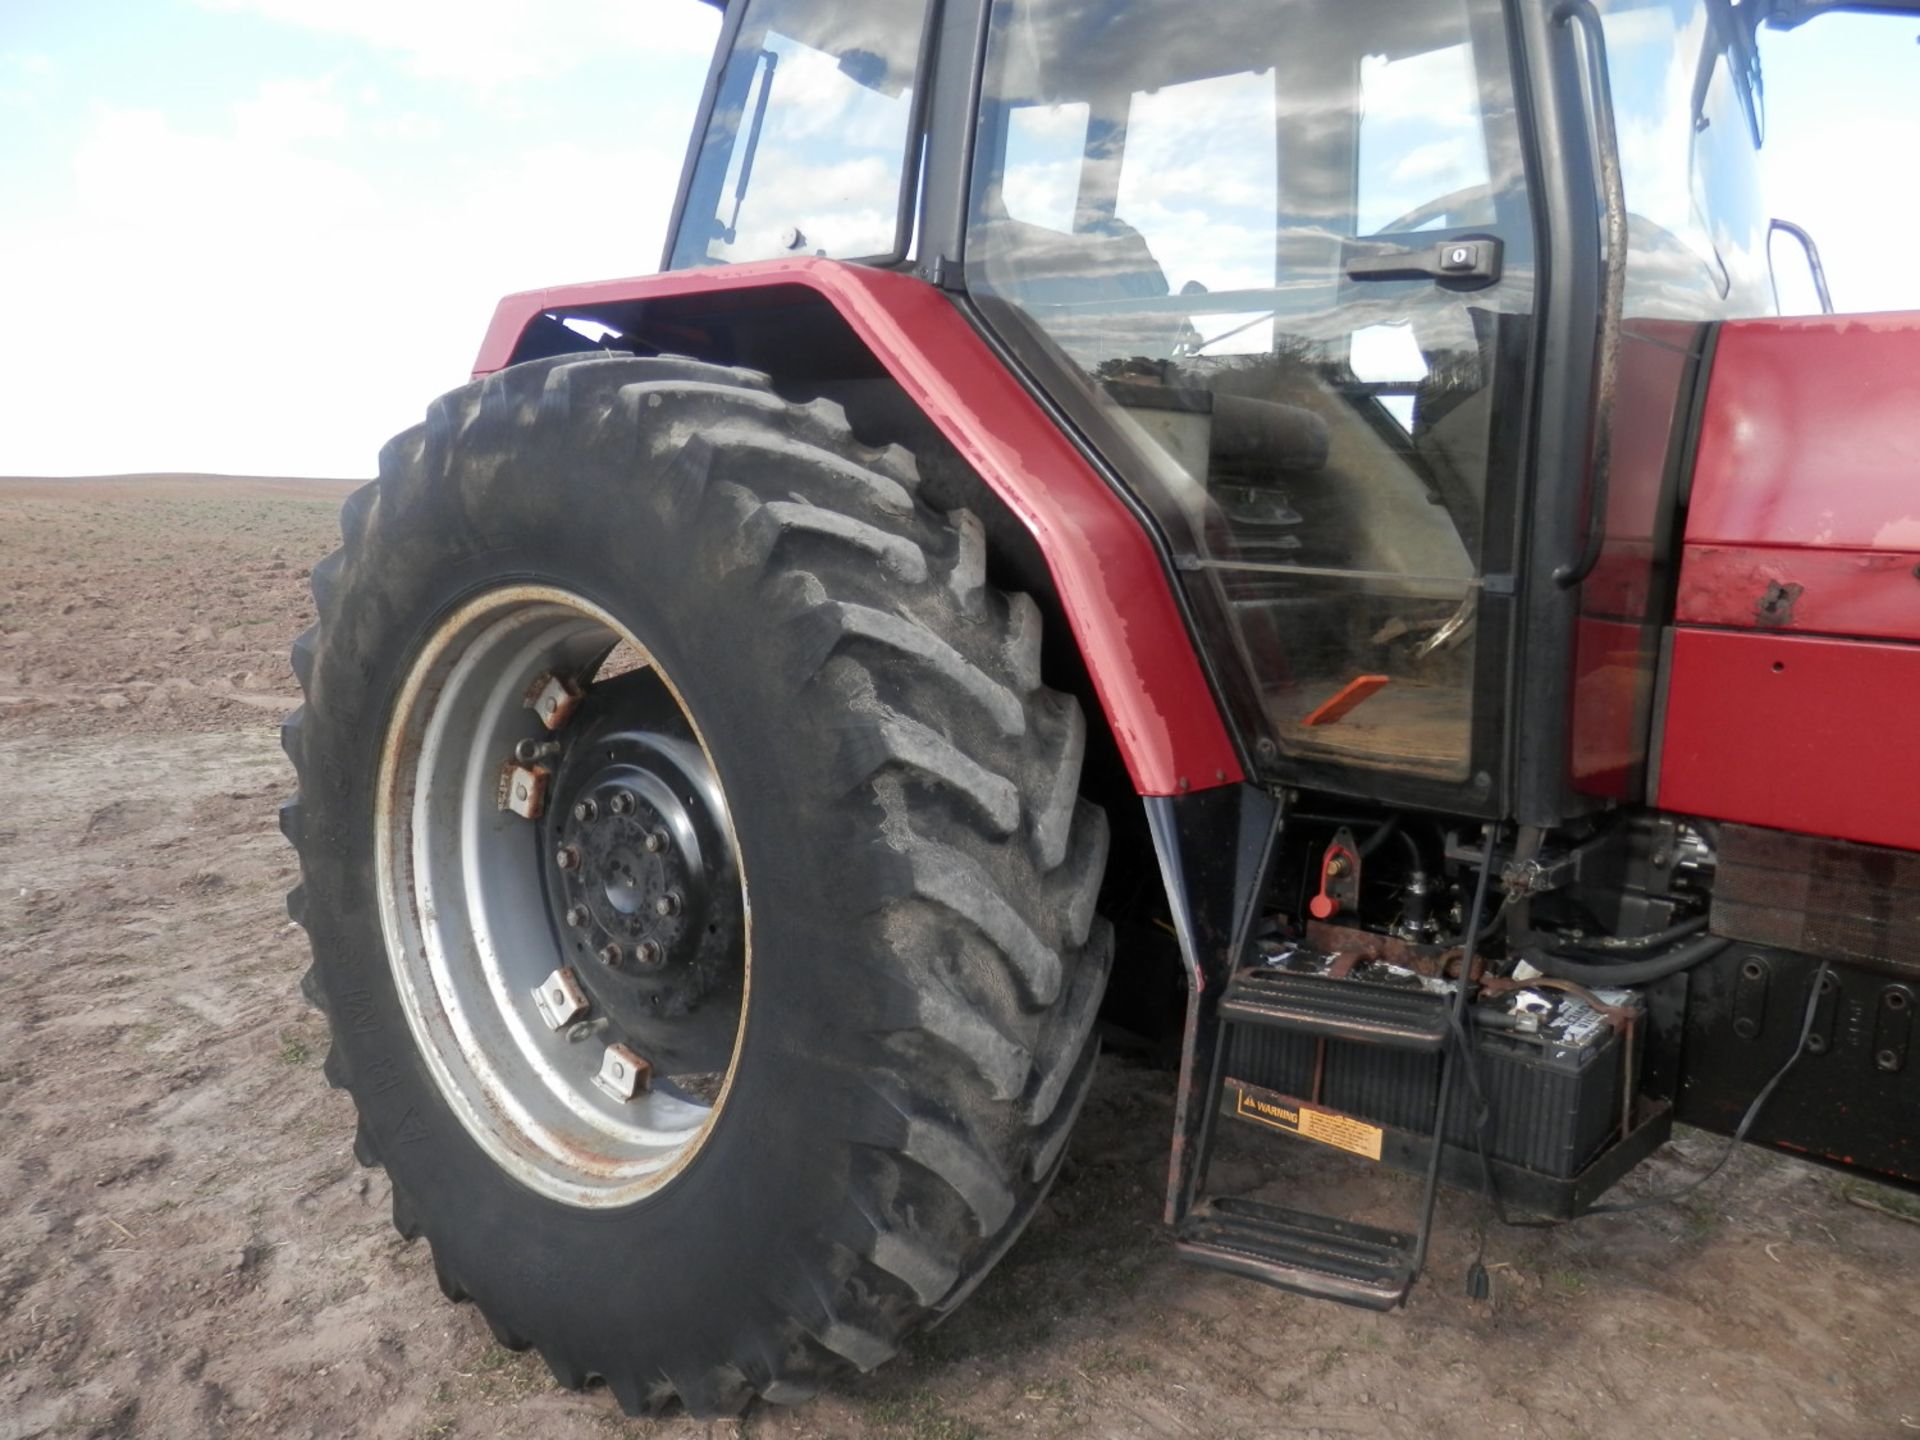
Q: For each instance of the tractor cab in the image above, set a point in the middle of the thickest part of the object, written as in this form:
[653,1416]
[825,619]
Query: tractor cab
[1279,262]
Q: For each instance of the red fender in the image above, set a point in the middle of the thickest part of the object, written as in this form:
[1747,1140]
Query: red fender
[1109,576]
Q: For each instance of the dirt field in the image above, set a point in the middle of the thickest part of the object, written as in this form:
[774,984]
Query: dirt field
[187,1247]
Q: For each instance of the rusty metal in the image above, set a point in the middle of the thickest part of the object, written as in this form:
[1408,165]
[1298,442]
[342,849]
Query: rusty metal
[1776,602]
[560,1000]
[554,698]
[622,1073]
[523,790]
[1351,947]
[567,858]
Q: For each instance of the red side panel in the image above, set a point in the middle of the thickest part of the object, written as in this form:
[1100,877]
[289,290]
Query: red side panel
[1111,584]
[1794,694]
[1809,475]
[1795,733]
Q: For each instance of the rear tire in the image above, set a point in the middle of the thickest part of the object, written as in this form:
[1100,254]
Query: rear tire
[925,960]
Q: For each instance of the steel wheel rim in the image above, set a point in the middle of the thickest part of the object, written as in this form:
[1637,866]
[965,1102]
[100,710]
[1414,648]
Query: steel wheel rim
[467,926]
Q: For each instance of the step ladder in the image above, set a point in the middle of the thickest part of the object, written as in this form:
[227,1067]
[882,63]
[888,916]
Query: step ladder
[1319,1255]
[1325,1256]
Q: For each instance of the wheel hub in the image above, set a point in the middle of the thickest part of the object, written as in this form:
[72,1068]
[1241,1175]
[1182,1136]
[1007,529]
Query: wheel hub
[576,983]
[641,886]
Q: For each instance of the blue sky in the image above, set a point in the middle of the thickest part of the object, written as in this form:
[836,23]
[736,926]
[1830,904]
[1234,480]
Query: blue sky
[256,236]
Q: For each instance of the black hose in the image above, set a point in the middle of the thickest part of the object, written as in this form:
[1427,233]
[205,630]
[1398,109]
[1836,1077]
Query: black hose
[1626,972]
[1381,832]
[1629,945]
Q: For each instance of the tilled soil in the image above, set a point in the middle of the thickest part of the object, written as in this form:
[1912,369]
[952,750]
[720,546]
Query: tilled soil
[187,1247]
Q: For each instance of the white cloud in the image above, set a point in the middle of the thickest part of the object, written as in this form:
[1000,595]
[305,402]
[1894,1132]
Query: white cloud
[490,42]
[26,78]
[257,296]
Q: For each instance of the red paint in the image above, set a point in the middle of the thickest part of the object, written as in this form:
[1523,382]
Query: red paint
[1624,601]
[1794,732]
[1116,595]
[1808,474]
[1612,686]
[1811,435]
[1874,594]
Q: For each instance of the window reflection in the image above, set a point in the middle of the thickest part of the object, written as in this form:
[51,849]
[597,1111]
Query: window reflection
[806,150]
[1321,446]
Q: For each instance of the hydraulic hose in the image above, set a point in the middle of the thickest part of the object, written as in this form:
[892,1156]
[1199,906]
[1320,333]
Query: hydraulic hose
[1626,972]
[1630,945]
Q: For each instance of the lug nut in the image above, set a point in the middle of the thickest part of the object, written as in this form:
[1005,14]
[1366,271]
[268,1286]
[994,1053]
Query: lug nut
[656,841]
[568,858]
[586,812]
[611,955]
[620,803]
[577,917]
[647,952]
[667,904]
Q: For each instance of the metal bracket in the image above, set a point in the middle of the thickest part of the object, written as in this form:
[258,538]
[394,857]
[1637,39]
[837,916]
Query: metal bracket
[1892,1026]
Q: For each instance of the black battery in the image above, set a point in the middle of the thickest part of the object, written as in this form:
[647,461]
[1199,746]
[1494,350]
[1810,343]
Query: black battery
[1555,1071]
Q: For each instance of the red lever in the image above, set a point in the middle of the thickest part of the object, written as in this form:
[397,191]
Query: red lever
[1339,878]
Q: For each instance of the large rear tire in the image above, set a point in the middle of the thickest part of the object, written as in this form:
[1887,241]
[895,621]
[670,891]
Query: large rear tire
[912,962]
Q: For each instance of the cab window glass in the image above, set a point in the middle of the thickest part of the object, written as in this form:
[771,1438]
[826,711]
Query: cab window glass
[1321,442]
[1423,153]
[806,151]
[1687,110]
[1045,144]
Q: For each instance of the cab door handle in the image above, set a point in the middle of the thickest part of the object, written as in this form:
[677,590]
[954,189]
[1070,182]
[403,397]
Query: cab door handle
[1470,262]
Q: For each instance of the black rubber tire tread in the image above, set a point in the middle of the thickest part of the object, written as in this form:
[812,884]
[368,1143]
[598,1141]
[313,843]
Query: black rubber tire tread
[932,766]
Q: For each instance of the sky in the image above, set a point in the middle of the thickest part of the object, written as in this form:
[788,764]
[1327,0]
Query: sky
[257,236]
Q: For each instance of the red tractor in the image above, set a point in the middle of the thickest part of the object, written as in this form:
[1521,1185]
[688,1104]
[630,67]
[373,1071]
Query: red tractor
[1294,520]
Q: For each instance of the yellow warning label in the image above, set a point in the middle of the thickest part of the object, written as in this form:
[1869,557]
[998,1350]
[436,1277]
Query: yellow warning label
[1310,1122]
[1343,1132]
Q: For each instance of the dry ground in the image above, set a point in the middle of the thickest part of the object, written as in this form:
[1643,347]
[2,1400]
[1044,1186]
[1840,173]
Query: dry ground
[187,1247]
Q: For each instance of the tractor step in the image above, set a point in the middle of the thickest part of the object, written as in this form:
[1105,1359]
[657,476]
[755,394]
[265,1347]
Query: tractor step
[1314,1255]
[1336,1009]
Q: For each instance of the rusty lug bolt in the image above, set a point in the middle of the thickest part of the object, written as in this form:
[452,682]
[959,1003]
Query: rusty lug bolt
[647,952]
[611,955]
[620,803]
[577,917]
[586,812]
[568,858]
[667,904]
[656,841]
